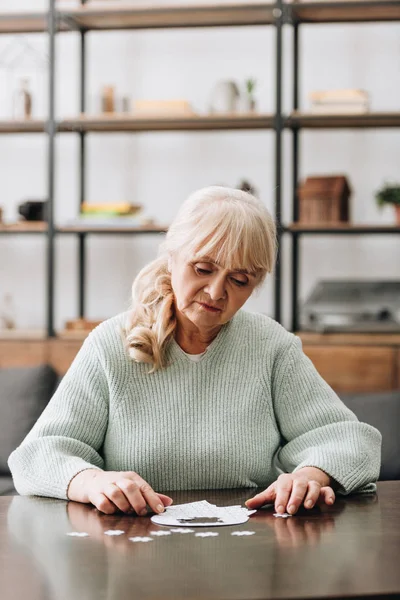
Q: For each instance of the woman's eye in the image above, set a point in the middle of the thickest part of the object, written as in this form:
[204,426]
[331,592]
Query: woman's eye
[239,282]
[202,271]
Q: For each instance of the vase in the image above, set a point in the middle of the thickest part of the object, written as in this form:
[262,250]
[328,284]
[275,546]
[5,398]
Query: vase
[224,97]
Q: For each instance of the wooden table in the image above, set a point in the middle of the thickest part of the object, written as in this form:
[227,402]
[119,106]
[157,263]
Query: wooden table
[349,550]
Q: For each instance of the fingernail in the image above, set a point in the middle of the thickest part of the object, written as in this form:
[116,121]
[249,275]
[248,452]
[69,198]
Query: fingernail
[143,512]
[280,509]
[291,509]
[160,508]
[309,503]
[330,500]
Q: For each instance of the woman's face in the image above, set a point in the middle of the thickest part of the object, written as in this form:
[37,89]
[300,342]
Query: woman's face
[207,294]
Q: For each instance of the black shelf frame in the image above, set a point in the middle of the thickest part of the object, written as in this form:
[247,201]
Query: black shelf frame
[276,19]
[276,15]
[296,122]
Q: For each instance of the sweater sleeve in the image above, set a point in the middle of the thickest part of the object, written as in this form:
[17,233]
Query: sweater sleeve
[67,437]
[318,430]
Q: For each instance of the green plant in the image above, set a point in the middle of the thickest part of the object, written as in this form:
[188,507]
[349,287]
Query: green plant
[388,194]
[250,86]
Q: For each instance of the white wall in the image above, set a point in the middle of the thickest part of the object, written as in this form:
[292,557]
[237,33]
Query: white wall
[159,170]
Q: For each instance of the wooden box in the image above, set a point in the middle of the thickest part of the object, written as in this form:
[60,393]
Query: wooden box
[324,200]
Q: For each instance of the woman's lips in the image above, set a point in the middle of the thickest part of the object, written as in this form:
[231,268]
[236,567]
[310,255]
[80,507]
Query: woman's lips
[210,308]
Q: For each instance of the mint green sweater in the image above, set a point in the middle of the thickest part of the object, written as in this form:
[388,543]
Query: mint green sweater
[253,407]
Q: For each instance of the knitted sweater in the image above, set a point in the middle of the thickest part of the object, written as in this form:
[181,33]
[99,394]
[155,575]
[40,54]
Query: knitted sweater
[252,408]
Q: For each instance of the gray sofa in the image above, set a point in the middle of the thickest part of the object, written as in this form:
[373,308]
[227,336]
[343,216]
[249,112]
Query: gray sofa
[24,393]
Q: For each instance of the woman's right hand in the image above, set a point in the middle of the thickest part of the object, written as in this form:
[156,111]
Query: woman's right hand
[110,491]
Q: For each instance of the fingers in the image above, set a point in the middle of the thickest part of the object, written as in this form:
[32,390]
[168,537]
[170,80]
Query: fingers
[284,486]
[166,500]
[126,492]
[102,503]
[313,493]
[289,493]
[262,498]
[327,495]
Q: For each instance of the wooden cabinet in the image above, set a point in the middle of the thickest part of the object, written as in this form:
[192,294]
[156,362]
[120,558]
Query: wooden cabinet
[349,363]
[355,362]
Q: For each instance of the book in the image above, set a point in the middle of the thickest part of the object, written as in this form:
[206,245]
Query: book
[331,108]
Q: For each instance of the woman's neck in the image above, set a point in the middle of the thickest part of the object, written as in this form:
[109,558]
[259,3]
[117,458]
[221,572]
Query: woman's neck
[194,342]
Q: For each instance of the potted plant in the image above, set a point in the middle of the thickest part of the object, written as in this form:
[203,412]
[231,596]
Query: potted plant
[250,101]
[390,194]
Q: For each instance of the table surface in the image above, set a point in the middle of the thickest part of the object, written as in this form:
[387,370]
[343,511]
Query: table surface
[349,550]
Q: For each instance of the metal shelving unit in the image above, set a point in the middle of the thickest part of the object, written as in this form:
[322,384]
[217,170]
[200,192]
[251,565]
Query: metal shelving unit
[124,16]
[355,11]
[127,16]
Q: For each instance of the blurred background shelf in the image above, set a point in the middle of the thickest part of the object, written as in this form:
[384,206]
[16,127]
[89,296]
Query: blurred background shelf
[24,227]
[358,11]
[27,126]
[299,119]
[143,229]
[125,15]
[23,334]
[121,123]
[342,228]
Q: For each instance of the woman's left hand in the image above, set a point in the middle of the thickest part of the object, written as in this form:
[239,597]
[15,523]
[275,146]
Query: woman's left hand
[306,487]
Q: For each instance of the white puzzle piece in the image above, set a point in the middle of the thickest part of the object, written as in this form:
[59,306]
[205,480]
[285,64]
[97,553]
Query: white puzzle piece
[114,532]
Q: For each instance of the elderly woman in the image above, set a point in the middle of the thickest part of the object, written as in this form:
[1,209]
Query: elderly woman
[188,391]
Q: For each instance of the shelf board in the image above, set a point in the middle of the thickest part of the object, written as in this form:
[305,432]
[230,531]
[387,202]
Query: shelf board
[378,339]
[129,15]
[26,126]
[342,228]
[114,230]
[27,22]
[356,11]
[15,335]
[20,22]
[127,123]
[300,119]
[24,227]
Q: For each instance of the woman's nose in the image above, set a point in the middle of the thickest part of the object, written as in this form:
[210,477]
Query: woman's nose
[216,288]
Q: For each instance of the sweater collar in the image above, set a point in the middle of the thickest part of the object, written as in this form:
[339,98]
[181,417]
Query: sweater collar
[213,350]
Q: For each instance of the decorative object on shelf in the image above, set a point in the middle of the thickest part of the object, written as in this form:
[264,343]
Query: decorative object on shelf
[163,108]
[126,105]
[1,215]
[324,199]
[339,102]
[23,76]
[81,325]
[33,210]
[390,194]
[249,101]
[109,209]
[23,101]
[246,186]
[7,312]
[353,306]
[224,97]
[108,99]
[111,214]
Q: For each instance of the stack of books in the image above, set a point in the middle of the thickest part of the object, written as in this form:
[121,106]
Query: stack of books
[110,214]
[337,102]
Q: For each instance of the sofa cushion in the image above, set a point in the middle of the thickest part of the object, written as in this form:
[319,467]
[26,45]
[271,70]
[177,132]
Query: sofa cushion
[24,393]
[381,410]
